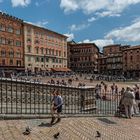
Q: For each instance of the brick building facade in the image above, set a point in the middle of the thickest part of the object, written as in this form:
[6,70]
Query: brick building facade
[24,46]
[11,43]
[44,49]
[131,62]
[120,60]
[83,57]
[110,62]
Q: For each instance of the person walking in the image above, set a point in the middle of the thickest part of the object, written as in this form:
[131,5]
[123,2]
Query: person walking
[121,106]
[82,102]
[127,101]
[57,103]
[136,100]
[113,88]
[97,92]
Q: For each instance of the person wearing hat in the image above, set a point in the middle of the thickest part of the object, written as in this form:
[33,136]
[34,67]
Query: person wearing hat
[128,102]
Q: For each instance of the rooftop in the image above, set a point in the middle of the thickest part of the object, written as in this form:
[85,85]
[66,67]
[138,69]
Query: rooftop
[132,48]
[43,28]
[7,16]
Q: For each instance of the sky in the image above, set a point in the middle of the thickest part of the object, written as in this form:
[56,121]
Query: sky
[103,22]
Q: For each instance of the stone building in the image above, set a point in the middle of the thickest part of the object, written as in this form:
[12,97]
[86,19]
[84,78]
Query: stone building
[44,49]
[102,64]
[11,43]
[83,57]
[69,44]
[131,62]
[111,61]
[120,60]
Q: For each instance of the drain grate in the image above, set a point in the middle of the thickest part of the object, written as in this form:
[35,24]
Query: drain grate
[105,120]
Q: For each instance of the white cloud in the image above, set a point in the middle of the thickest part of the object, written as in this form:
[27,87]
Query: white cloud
[39,23]
[91,19]
[42,23]
[86,41]
[69,5]
[22,3]
[119,5]
[86,5]
[128,33]
[70,36]
[104,7]
[136,20]
[75,27]
[100,42]
[103,42]
[107,13]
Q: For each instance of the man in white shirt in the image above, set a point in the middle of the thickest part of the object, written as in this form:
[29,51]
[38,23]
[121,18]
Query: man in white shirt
[128,101]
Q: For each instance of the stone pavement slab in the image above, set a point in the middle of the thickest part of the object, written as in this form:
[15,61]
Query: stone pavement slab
[76,128]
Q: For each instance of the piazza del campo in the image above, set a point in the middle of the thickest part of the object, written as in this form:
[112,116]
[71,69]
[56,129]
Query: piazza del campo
[53,87]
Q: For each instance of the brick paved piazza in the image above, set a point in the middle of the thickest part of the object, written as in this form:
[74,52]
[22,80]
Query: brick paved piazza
[83,128]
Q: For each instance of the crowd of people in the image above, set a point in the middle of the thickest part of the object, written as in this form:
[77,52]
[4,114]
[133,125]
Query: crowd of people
[130,101]
[102,90]
[108,77]
[129,96]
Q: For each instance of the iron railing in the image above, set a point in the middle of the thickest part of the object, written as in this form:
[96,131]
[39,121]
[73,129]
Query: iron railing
[25,97]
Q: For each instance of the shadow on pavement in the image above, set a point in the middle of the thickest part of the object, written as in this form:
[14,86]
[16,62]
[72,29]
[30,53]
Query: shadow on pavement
[45,125]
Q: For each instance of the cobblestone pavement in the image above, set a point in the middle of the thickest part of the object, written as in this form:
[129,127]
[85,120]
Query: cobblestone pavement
[78,128]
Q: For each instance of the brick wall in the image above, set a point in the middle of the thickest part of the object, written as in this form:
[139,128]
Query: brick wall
[11,42]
